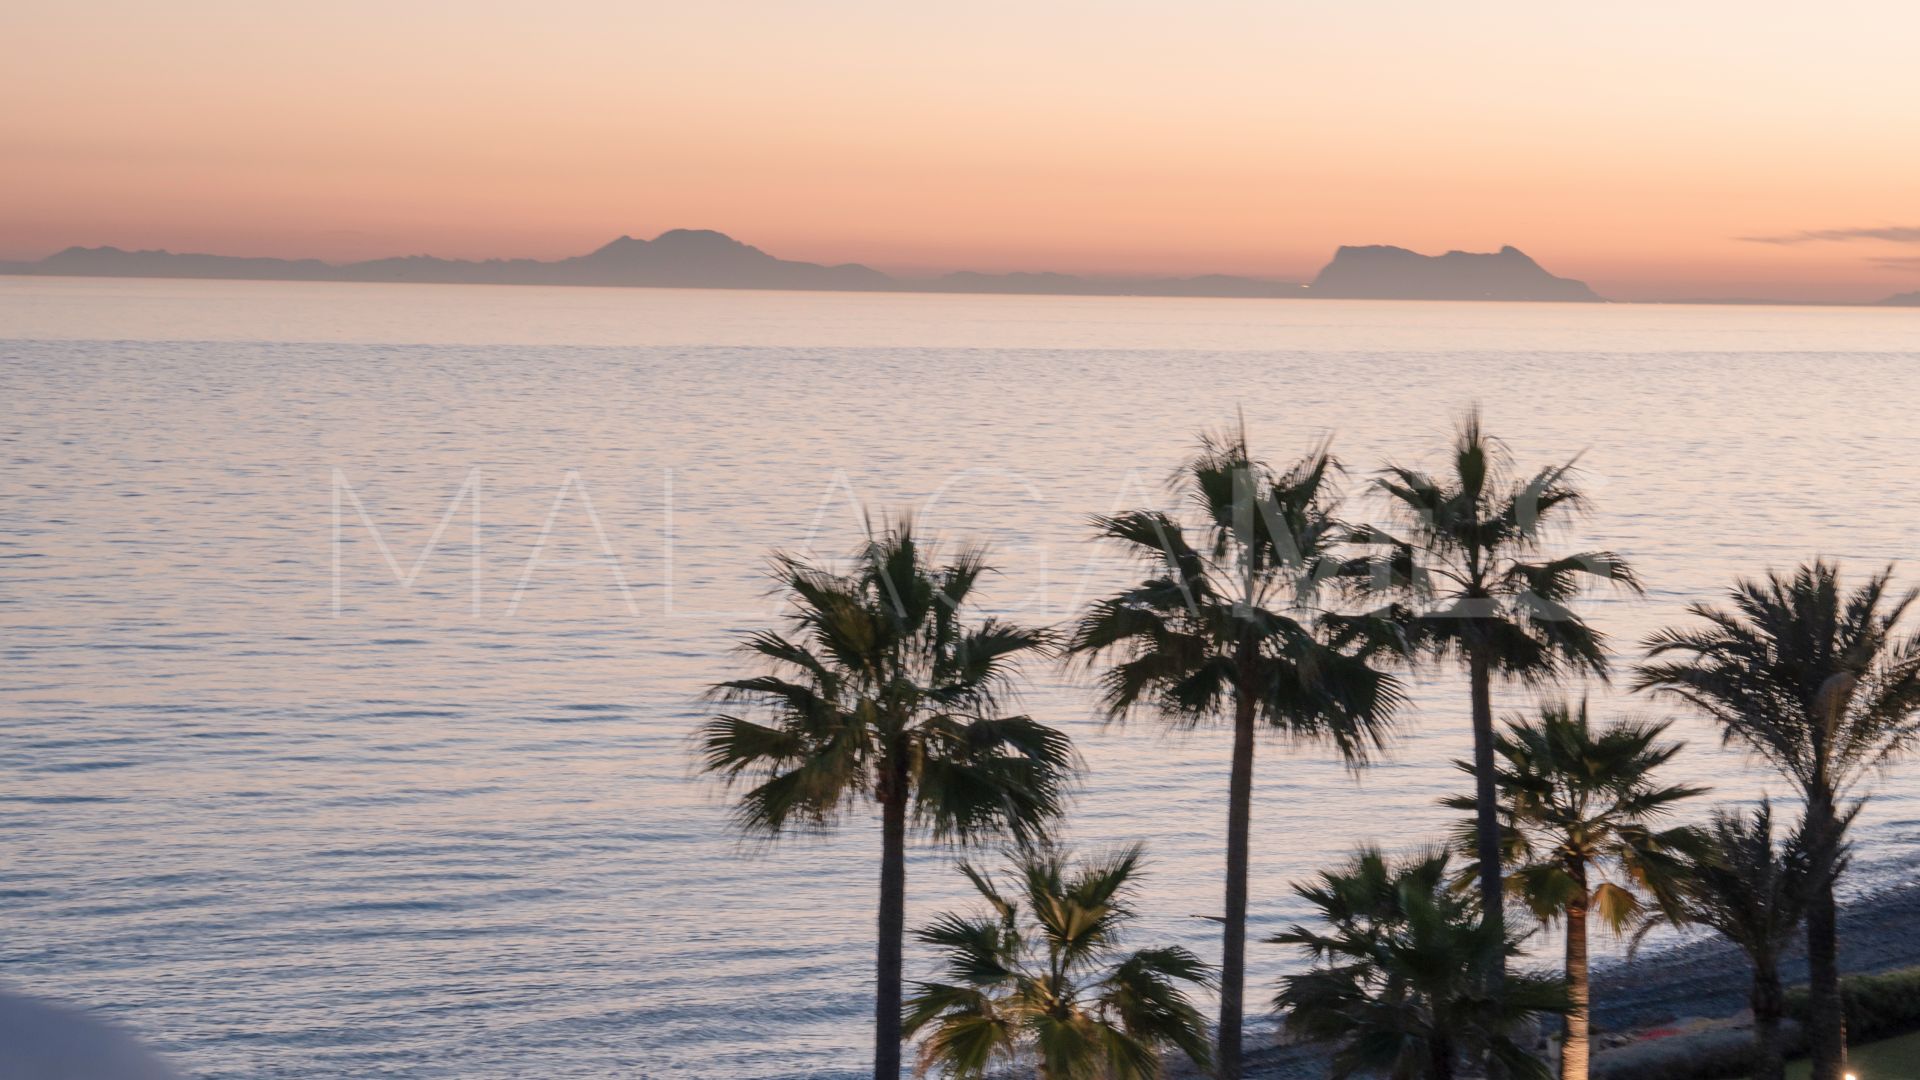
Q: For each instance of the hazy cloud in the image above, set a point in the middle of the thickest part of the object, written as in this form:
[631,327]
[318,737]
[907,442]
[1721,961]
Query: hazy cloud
[1898,234]
[1899,262]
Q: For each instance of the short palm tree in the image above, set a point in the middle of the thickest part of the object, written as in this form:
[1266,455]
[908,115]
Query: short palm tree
[1754,892]
[1820,683]
[880,693]
[1465,567]
[1227,626]
[1580,807]
[1396,986]
[1040,979]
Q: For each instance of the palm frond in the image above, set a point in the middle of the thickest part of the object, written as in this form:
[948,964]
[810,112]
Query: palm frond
[1462,567]
[1814,679]
[1394,986]
[1578,801]
[1040,978]
[877,678]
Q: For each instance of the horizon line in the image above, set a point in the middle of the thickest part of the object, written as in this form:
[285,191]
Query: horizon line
[920,279]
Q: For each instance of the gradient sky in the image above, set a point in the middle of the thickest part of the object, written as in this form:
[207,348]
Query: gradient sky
[1635,145]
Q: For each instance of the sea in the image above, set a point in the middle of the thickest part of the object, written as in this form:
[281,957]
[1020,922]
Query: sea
[352,636]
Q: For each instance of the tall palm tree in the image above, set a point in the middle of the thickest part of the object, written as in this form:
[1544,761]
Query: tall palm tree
[1473,589]
[1396,985]
[1754,893]
[1040,979]
[878,692]
[1820,684]
[1580,806]
[1227,626]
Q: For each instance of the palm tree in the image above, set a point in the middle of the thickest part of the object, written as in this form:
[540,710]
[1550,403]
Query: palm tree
[1754,893]
[1819,684]
[1041,980]
[1580,806]
[1226,626]
[1475,592]
[878,692]
[1396,983]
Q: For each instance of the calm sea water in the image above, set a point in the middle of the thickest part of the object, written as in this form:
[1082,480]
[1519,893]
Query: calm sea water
[292,804]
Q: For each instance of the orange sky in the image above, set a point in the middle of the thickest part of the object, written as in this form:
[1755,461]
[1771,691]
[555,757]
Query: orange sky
[1631,145]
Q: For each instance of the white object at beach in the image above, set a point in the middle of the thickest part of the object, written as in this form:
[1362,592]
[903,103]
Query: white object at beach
[41,1041]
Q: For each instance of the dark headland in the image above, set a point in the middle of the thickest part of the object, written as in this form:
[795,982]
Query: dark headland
[1379,272]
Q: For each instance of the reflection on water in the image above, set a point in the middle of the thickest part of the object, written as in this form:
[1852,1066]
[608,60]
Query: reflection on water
[294,804]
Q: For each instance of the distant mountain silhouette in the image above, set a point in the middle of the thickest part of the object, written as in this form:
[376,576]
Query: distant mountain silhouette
[113,262]
[695,258]
[1905,299]
[1379,272]
[702,258]
[684,258]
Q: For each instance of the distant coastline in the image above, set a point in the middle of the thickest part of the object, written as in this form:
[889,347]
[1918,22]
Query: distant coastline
[699,258]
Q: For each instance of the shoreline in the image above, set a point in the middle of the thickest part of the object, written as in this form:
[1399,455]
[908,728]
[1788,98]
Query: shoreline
[1709,976]
[1702,978]
[923,287]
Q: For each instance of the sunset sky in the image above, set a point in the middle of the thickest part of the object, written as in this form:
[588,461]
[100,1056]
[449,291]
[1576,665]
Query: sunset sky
[1655,150]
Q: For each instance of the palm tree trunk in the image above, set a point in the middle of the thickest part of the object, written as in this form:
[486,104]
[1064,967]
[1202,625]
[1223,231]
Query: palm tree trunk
[1575,1050]
[1824,1009]
[1486,813]
[1827,1017]
[1768,1001]
[1233,951]
[893,924]
[1440,1057]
